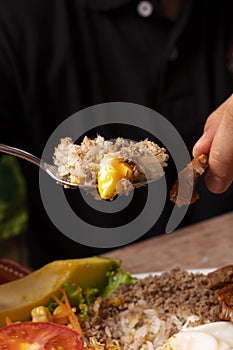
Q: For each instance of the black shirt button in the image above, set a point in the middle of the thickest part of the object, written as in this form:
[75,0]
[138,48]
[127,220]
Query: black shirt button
[145,8]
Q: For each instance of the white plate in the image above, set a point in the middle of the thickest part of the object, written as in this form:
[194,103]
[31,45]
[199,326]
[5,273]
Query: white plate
[146,274]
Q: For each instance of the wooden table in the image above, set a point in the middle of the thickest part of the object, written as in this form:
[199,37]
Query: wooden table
[203,245]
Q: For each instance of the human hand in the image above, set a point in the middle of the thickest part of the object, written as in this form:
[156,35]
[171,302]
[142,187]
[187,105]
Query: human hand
[217,142]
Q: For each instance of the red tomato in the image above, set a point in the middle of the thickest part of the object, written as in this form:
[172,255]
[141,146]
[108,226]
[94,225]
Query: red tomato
[39,336]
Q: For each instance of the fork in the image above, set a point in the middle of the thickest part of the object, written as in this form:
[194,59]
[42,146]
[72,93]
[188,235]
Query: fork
[50,169]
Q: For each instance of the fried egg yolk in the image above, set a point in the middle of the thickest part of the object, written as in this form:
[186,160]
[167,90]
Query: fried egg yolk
[112,170]
[212,336]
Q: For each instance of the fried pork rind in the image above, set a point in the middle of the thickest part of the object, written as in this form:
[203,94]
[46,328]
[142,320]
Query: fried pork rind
[183,191]
[220,277]
[222,281]
[225,298]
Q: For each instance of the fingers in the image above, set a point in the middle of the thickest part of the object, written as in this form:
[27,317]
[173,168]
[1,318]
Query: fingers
[217,141]
[220,174]
[203,145]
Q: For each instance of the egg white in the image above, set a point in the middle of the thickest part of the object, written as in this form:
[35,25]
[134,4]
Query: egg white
[211,336]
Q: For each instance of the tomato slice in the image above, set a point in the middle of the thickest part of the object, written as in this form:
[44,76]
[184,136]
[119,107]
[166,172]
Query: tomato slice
[39,336]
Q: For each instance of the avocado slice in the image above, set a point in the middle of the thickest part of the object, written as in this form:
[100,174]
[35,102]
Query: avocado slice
[19,297]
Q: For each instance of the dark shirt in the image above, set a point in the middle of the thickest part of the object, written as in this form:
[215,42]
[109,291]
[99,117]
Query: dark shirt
[58,57]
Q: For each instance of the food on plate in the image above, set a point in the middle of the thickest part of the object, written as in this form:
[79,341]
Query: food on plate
[145,314]
[19,297]
[221,277]
[39,336]
[225,298]
[175,310]
[211,336]
[222,281]
[184,191]
[114,167]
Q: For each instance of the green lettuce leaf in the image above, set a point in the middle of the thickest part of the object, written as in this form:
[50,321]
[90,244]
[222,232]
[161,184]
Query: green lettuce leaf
[115,279]
[81,299]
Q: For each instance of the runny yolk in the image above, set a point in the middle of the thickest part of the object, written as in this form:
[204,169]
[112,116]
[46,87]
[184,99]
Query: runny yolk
[110,174]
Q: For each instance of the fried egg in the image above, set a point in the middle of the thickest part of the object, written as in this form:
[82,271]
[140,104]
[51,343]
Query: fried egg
[112,170]
[211,336]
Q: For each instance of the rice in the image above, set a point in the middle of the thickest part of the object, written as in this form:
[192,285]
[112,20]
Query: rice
[80,164]
[146,314]
[143,329]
